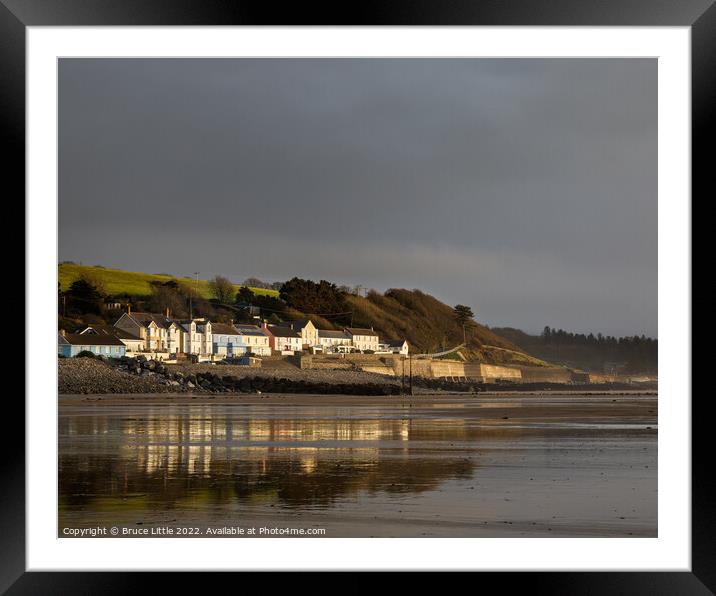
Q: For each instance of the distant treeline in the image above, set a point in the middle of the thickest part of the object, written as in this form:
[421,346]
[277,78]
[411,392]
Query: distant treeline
[604,353]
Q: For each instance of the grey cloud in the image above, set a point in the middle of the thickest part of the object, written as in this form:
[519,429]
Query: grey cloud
[412,173]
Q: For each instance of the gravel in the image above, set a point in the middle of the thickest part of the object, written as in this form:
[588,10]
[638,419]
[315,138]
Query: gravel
[91,376]
[86,375]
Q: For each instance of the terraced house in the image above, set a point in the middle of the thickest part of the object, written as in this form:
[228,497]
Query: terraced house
[283,339]
[159,333]
[164,337]
[308,331]
[331,340]
[363,339]
[252,339]
[225,340]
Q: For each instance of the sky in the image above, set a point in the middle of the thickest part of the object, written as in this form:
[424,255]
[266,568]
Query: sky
[524,188]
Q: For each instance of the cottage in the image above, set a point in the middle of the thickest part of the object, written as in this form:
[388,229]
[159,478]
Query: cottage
[363,339]
[283,339]
[71,344]
[395,346]
[132,342]
[331,340]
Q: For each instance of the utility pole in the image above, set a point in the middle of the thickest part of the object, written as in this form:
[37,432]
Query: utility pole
[196,289]
[402,379]
[410,362]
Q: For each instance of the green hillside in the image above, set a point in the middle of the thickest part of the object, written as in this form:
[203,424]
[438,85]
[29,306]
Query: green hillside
[117,281]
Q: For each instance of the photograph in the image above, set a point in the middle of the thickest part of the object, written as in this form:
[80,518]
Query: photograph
[357,297]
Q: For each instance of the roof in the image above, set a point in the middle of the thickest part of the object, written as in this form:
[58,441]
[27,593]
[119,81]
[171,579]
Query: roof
[253,332]
[90,339]
[329,333]
[185,324]
[109,330]
[223,329]
[281,331]
[359,331]
[297,324]
[397,343]
[145,319]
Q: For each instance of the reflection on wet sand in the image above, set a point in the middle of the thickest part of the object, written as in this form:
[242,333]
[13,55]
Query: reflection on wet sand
[369,470]
[298,463]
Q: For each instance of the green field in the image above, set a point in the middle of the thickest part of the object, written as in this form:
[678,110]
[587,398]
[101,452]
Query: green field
[117,281]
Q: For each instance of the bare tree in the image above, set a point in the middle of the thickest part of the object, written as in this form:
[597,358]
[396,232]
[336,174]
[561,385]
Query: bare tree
[222,289]
[255,282]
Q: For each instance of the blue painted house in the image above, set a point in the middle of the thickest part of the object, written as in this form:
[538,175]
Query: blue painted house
[71,344]
[225,340]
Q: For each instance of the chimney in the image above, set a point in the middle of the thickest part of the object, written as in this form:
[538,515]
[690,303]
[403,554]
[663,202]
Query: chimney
[167,312]
[129,308]
[62,332]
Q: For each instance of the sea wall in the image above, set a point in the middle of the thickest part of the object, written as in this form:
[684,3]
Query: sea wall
[552,374]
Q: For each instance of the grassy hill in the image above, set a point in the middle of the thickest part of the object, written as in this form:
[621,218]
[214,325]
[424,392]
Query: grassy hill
[117,281]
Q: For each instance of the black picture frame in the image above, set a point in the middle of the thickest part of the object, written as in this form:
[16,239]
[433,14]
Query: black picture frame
[16,15]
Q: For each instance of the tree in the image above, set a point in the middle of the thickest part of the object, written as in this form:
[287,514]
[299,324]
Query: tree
[463,315]
[221,289]
[244,296]
[168,295]
[85,296]
[309,297]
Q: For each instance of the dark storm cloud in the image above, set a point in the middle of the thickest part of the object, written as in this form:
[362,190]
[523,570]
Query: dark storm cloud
[525,188]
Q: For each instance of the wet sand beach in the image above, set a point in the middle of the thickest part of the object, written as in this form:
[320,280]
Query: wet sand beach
[425,466]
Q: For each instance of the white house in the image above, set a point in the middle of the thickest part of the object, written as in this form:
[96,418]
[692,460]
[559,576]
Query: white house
[253,339]
[159,333]
[394,346]
[194,337]
[204,330]
[363,339]
[330,340]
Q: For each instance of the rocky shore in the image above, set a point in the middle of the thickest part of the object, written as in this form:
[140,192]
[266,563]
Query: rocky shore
[130,375]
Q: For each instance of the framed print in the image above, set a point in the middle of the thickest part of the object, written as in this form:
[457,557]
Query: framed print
[383,294]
